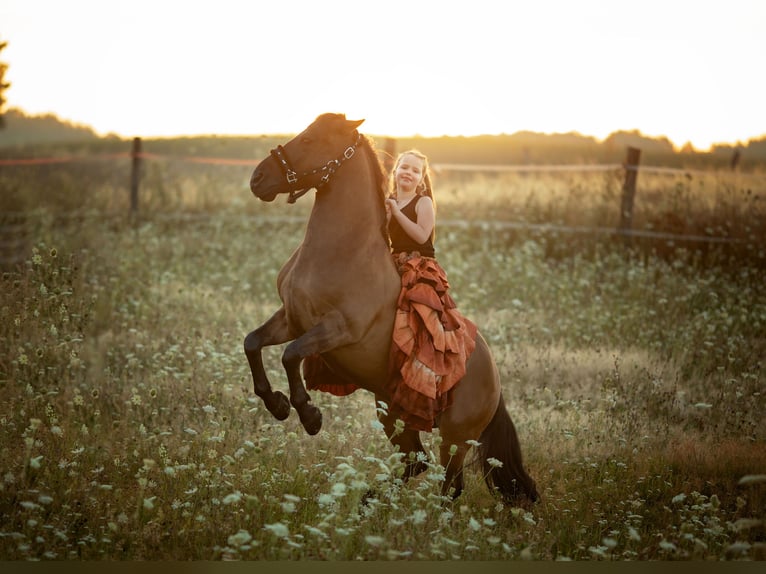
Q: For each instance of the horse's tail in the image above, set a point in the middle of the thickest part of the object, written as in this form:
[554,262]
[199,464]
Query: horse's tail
[499,442]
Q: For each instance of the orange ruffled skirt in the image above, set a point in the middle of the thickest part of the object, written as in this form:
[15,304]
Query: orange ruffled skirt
[431,345]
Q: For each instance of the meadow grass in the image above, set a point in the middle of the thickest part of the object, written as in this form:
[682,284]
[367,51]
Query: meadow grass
[130,430]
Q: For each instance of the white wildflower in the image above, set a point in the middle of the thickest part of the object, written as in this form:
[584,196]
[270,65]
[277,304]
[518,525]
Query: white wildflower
[232,498]
[239,539]
[279,529]
[375,540]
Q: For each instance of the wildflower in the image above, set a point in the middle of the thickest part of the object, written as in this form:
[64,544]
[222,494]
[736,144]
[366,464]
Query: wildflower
[241,538]
[609,542]
[53,253]
[752,479]
[232,498]
[209,409]
[35,462]
[149,502]
[419,516]
[338,490]
[375,540]
[494,463]
[315,531]
[288,507]
[279,529]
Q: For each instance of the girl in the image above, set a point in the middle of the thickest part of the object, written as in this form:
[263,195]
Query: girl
[432,341]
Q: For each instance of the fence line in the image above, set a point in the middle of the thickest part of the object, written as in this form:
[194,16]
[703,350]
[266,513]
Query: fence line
[630,167]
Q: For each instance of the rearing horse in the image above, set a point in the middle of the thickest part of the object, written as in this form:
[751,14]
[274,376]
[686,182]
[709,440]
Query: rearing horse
[339,294]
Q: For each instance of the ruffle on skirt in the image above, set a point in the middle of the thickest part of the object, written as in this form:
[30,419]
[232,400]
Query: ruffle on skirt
[431,345]
[432,342]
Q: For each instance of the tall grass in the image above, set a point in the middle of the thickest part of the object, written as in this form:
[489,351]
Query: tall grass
[129,429]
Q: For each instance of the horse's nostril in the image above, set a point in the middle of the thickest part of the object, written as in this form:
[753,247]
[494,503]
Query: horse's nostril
[255,179]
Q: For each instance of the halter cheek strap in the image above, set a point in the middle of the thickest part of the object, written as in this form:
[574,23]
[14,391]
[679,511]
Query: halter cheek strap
[293,179]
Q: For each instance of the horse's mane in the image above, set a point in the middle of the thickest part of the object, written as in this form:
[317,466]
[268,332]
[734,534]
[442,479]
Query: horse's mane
[381,180]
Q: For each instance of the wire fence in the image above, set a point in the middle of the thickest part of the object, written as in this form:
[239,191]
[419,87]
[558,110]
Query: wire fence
[12,229]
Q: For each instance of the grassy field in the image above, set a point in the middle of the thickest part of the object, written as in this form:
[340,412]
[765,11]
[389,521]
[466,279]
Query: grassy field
[635,377]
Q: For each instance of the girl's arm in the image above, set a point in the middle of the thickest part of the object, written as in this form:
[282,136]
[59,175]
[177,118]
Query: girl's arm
[421,230]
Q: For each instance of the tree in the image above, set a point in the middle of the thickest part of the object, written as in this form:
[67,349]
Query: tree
[3,85]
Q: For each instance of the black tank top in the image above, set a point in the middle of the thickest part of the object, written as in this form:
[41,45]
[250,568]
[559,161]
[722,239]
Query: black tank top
[400,241]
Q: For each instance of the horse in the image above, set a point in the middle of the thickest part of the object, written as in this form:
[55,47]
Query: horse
[339,291]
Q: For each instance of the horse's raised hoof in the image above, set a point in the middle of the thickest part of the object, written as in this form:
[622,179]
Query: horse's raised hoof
[311,418]
[279,406]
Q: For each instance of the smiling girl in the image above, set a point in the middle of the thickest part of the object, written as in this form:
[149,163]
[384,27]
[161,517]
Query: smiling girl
[432,341]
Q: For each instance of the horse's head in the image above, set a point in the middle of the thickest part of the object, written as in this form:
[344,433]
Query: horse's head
[308,160]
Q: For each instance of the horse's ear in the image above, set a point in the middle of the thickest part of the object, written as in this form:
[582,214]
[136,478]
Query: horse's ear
[353,124]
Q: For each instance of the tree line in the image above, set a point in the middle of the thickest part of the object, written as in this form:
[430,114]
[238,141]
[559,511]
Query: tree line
[28,134]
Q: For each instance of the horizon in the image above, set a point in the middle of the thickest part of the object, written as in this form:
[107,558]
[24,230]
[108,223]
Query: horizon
[598,140]
[552,68]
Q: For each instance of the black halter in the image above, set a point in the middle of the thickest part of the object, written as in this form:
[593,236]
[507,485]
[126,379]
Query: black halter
[293,179]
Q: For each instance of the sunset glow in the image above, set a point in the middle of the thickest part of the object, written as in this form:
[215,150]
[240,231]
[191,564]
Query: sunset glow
[688,70]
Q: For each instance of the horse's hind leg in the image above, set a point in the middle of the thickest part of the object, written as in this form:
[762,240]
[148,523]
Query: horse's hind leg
[272,332]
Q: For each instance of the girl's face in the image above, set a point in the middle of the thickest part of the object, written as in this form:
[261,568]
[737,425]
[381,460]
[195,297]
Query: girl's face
[409,172]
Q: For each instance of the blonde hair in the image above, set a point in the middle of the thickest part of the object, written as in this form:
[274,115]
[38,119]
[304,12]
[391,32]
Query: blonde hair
[425,186]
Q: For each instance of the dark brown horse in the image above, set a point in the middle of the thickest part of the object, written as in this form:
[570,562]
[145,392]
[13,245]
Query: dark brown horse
[339,292]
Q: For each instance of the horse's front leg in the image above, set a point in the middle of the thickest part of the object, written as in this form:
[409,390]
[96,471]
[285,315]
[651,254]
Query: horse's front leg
[330,333]
[452,458]
[272,332]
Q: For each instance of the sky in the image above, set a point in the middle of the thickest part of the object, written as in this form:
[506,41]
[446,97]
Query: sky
[689,70]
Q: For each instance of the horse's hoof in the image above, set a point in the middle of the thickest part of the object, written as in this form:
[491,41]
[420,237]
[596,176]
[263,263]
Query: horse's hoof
[311,419]
[279,406]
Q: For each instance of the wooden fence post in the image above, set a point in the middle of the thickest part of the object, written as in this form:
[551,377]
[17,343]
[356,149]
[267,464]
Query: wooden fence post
[135,175]
[632,160]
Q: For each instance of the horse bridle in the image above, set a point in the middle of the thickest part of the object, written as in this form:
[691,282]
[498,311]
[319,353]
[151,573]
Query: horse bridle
[293,179]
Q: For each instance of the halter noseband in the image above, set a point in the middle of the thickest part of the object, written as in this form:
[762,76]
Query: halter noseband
[329,168]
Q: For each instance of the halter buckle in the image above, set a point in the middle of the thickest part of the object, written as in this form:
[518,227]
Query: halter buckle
[349,153]
[292,176]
